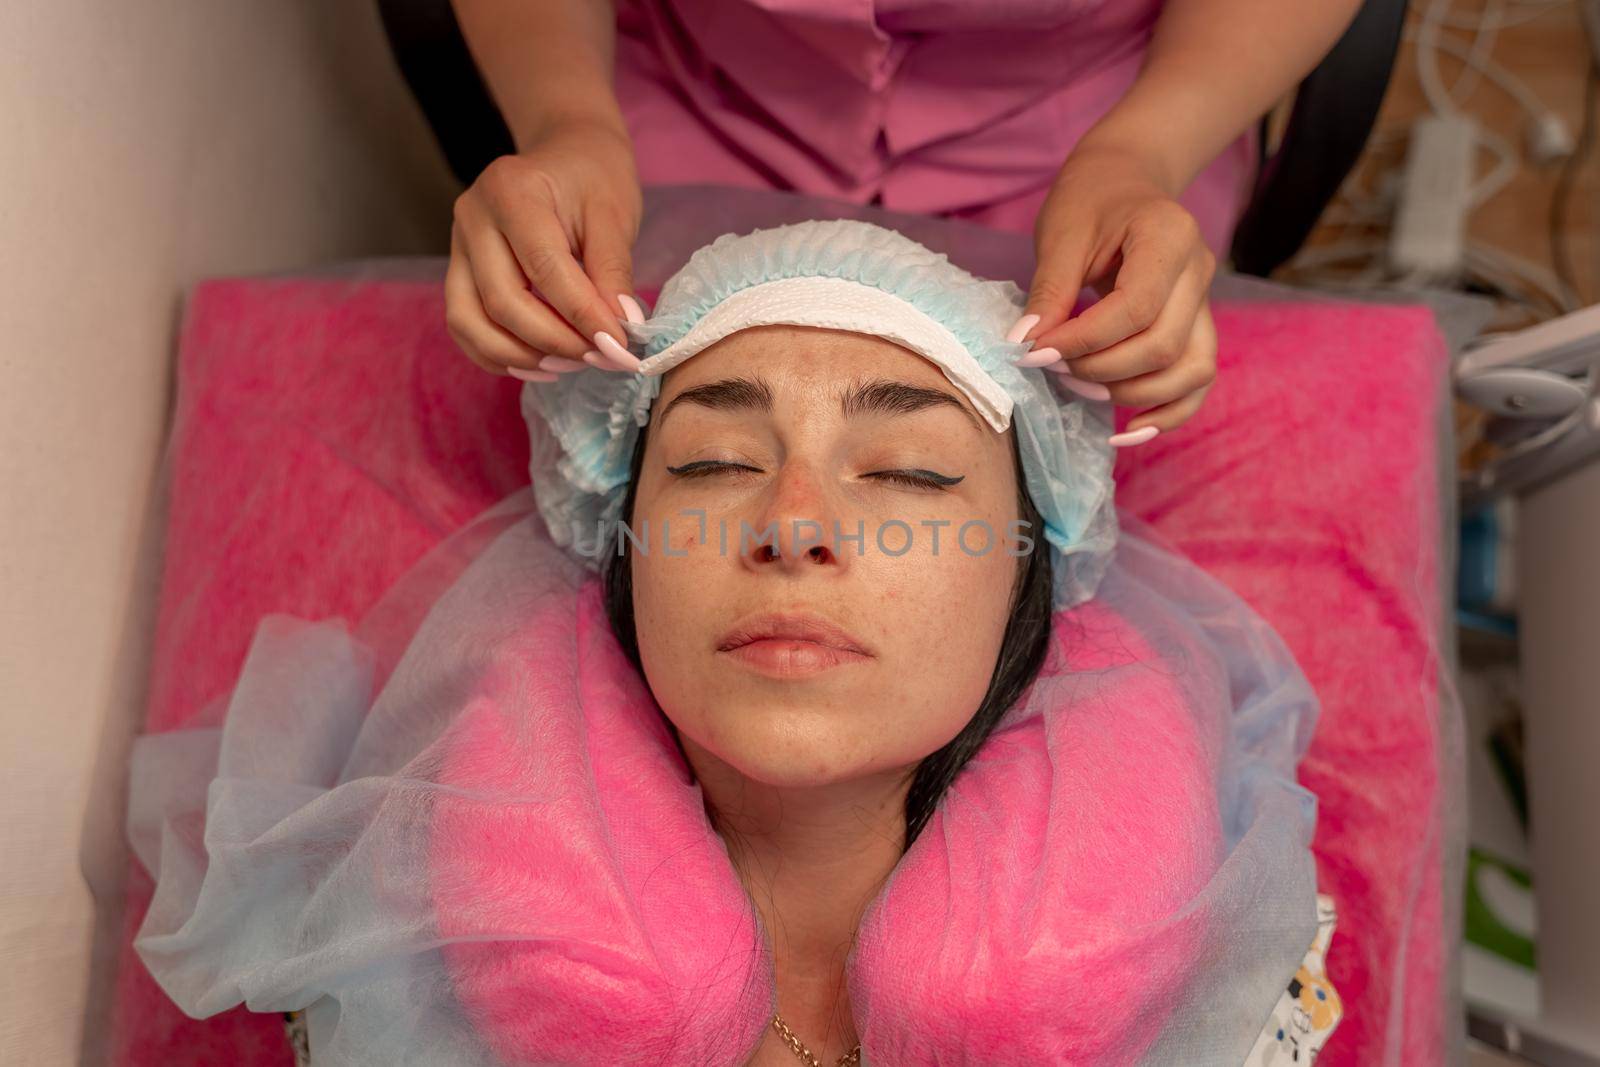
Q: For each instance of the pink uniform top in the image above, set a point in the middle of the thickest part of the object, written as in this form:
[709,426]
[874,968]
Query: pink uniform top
[946,107]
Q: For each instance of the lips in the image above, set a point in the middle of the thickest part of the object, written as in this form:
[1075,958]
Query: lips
[792,626]
[792,647]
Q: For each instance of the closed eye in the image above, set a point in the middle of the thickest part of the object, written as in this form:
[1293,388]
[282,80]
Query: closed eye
[914,477]
[702,467]
[924,479]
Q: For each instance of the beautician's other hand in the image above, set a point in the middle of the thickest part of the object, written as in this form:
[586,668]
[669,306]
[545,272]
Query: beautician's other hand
[541,255]
[1110,223]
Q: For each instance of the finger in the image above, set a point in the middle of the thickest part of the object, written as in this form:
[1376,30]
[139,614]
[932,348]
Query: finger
[1193,372]
[1169,416]
[1153,260]
[632,308]
[608,261]
[1201,356]
[461,304]
[561,364]
[612,350]
[541,249]
[506,301]
[1163,344]
[1056,283]
[1087,390]
[485,343]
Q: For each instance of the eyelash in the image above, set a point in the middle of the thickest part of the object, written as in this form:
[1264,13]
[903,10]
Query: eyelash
[920,479]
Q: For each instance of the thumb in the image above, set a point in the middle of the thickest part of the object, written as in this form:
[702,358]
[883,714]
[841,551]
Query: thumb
[608,261]
[1057,280]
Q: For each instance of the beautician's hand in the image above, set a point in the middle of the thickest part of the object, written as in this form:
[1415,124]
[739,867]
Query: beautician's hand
[1109,223]
[541,255]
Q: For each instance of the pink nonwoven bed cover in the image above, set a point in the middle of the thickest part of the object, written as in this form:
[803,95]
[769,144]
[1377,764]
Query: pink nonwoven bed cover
[328,434]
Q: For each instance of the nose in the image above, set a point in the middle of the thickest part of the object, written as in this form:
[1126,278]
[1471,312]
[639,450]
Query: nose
[798,527]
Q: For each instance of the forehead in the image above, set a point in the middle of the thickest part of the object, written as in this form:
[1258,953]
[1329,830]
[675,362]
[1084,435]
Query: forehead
[806,357]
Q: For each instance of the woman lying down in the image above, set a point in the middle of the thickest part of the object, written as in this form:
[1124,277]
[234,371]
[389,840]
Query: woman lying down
[812,705]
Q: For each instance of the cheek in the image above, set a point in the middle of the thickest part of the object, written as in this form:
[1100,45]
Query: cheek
[949,616]
[677,587]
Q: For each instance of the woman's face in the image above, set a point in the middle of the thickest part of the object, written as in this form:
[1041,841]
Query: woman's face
[791,441]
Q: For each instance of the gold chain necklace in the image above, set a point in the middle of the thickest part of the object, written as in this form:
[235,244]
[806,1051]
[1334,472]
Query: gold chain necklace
[849,1059]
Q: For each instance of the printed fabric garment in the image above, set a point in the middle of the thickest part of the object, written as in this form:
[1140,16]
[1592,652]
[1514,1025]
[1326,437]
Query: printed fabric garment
[939,107]
[1309,1009]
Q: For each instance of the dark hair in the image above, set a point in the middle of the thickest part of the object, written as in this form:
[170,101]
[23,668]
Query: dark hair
[1022,649]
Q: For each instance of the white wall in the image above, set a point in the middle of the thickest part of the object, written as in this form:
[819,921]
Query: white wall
[142,146]
[1558,579]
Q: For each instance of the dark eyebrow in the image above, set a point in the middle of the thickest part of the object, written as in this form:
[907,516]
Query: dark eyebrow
[887,397]
[878,395]
[729,394]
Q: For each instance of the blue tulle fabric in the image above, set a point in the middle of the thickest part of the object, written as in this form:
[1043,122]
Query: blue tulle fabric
[584,425]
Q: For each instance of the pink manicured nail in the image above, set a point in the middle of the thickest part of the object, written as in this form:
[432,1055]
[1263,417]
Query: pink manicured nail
[1020,330]
[630,308]
[1040,357]
[599,362]
[615,352]
[1090,390]
[561,364]
[531,375]
[1133,437]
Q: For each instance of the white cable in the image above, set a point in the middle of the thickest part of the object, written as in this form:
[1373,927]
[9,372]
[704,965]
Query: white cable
[1522,281]
[1543,279]
[1501,267]
[1505,169]
[1481,264]
[1427,42]
[1490,472]
[1476,60]
[1511,286]
[1514,87]
[1536,275]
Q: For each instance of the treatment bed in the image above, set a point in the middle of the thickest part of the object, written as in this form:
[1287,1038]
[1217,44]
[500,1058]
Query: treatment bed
[328,433]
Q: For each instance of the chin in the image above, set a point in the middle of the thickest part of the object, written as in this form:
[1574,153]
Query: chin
[796,753]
